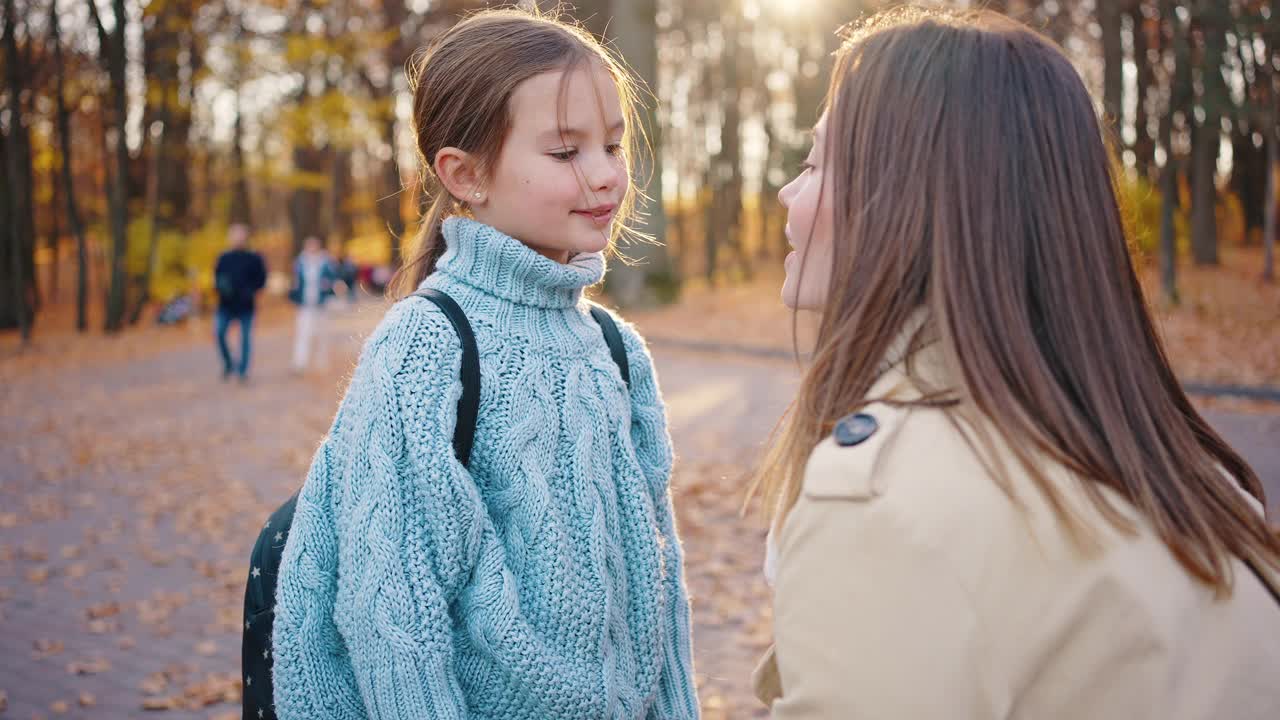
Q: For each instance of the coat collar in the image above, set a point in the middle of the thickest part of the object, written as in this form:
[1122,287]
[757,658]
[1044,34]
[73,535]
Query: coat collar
[915,365]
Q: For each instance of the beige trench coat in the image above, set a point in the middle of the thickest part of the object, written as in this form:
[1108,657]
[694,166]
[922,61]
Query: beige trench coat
[909,585]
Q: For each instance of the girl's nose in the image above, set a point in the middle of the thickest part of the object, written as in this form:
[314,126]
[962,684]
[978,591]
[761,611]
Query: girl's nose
[602,174]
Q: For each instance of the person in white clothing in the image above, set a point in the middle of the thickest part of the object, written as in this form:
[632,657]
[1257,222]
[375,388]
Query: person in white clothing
[313,278]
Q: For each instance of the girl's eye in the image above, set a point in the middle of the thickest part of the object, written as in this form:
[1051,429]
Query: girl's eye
[564,155]
[614,148]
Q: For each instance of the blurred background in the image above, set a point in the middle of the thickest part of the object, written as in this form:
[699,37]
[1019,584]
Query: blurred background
[136,132]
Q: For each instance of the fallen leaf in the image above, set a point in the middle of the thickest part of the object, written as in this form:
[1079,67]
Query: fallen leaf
[103,627]
[45,648]
[154,684]
[107,609]
[33,553]
[89,667]
[165,703]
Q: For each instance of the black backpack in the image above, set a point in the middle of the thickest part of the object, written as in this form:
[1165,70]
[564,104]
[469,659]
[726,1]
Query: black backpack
[264,564]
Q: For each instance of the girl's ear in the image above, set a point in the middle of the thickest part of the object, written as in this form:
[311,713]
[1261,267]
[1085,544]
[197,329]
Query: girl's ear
[460,174]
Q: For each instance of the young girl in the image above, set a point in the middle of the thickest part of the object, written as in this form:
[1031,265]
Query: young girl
[994,499]
[544,580]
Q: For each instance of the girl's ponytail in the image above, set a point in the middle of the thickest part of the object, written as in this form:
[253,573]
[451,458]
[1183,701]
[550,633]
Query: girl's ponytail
[427,245]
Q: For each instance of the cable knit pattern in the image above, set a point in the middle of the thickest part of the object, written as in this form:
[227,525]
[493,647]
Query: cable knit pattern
[547,581]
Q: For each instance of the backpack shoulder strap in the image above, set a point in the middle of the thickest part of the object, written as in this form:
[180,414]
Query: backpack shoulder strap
[613,338]
[469,404]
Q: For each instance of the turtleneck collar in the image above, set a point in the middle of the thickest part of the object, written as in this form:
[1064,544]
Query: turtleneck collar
[495,263]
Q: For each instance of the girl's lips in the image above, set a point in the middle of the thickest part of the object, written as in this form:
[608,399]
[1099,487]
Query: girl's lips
[599,215]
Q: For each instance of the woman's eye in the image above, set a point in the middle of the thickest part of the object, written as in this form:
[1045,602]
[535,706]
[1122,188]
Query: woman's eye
[564,155]
[614,149]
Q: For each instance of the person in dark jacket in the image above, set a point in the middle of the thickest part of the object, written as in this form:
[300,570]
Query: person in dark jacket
[238,276]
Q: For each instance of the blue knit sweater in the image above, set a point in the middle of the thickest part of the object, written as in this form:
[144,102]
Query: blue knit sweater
[546,581]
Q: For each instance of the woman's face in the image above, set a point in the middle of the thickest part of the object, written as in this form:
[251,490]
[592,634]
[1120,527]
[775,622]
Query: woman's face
[810,217]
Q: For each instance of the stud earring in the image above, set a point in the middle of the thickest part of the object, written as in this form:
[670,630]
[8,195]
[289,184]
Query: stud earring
[477,196]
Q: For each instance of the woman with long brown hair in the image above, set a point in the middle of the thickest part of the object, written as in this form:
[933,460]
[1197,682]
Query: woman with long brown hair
[991,497]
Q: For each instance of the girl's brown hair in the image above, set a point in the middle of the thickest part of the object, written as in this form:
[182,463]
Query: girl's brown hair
[462,84]
[972,179]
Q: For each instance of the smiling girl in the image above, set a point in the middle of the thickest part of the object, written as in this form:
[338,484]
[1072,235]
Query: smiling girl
[544,579]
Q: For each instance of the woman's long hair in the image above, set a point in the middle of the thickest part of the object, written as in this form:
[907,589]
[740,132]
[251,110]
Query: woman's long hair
[971,178]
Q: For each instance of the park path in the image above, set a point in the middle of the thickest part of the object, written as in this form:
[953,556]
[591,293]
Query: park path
[132,488]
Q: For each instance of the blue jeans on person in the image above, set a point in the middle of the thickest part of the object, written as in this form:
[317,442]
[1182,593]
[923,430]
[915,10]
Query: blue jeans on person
[222,323]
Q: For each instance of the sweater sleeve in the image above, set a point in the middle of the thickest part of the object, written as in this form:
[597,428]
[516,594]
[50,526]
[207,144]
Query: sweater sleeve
[677,695]
[384,535]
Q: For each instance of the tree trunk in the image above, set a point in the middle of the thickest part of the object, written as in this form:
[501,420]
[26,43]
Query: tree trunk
[153,226]
[306,201]
[55,232]
[68,183]
[1168,233]
[1269,225]
[730,172]
[1249,177]
[241,212]
[397,53]
[650,280]
[1144,147]
[1112,65]
[770,244]
[111,48]
[390,198]
[17,306]
[1180,92]
[343,224]
[1060,24]
[1204,194]
[1207,139]
[169,50]
[710,217]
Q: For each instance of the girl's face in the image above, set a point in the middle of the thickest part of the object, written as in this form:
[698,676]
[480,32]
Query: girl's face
[810,220]
[561,174]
